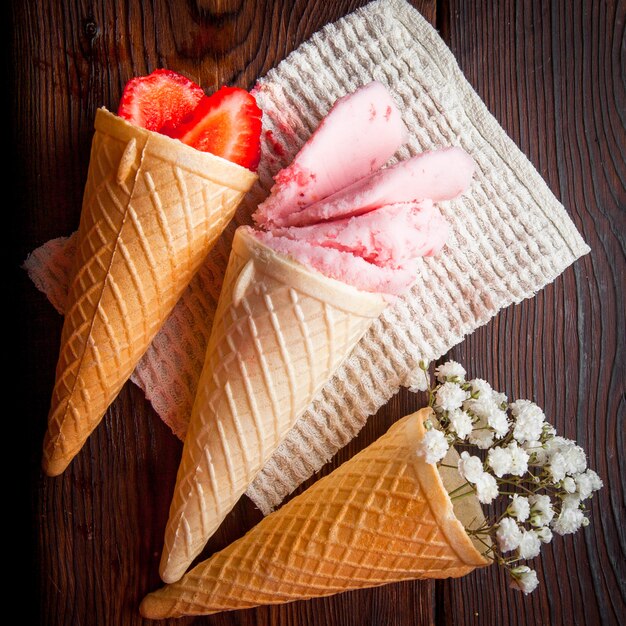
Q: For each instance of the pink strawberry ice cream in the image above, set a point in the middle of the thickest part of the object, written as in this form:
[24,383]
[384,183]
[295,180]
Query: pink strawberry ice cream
[387,237]
[439,175]
[359,134]
[352,221]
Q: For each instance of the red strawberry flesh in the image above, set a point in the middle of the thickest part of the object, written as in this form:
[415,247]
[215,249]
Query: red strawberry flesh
[227,124]
[159,101]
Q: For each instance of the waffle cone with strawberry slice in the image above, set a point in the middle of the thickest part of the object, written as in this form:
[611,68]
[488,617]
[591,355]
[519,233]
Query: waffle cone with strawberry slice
[156,200]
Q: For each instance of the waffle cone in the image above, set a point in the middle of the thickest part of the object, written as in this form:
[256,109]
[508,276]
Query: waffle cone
[279,333]
[383,516]
[152,209]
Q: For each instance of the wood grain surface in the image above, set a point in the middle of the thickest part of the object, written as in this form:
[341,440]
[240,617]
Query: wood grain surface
[552,73]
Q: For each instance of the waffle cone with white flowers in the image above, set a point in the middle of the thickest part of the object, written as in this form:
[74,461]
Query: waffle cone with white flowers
[383,516]
[152,209]
[279,332]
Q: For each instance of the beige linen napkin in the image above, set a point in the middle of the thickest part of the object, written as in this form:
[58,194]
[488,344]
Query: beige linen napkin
[510,238]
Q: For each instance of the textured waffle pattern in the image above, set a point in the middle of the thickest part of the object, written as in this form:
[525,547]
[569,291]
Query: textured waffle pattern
[148,221]
[372,521]
[278,335]
[511,236]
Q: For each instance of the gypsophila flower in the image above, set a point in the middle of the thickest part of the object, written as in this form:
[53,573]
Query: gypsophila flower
[519,459]
[529,420]
[519,507]
[570,519]
[536,451]
[557,444]
[575,459]
[508,534]
[529,545]
[434,446]
[524,579]
[487,488]
[586,483]
[499,399]
[568,484]
[545,534]
[482,407]
[417,380]
[499,459]
[470,467]
[544,476]
[450,396]
[460,423]
[497,420]
[450,370]
[481,437]
[548,430]
[557,467]
[482,387]
[541,511]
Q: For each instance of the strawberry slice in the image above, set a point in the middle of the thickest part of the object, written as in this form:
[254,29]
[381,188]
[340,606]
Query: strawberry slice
[159,101]
[227,124]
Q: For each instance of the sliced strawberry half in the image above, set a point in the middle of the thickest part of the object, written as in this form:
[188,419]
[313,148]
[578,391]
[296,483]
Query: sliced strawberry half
[159,101]
[227,124]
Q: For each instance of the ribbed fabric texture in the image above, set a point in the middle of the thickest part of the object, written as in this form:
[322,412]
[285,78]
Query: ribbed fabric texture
[510,238]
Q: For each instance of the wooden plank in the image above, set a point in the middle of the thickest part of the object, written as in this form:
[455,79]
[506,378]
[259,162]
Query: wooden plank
[550,73]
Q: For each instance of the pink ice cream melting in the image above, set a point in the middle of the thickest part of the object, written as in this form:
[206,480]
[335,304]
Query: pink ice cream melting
[439,175]
[335,211]
[358,135]
[390,236]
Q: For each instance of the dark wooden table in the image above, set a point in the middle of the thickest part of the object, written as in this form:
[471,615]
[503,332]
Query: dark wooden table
[551,72]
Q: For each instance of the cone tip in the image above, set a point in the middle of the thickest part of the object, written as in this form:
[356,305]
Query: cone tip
[54,465]
[170,572]
[153,607]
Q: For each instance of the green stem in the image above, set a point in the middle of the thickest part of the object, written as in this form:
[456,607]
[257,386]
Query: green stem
[463,495]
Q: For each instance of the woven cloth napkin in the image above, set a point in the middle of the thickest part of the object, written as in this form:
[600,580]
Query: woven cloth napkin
[510,235]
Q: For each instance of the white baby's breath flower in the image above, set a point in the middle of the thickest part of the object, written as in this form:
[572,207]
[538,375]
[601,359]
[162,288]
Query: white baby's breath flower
[451,370]
[433,446]
[537,453]
[568,484]
[529,545]
[571,500]
[499,459]
[557,467]
[524,579]
[529,420]
[460,423]
[449,397]
[417,380]
[596,481]
[575,459]
[508,534]
[470,467]
[481,437]
[570,519]
[586,483]
[541,511]
[498,420]
[545,534]
[519,508]
[519,459]
[487,488]
[482,387]
[499,399]
[557,444]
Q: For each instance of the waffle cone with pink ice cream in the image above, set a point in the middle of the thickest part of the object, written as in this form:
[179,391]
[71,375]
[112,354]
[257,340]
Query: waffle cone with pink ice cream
[337,241]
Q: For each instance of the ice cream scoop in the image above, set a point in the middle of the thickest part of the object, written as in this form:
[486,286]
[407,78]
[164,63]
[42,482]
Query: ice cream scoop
[358,135]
